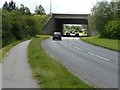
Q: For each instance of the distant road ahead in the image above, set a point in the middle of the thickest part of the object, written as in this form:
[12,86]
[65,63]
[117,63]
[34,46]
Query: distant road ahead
[96,65]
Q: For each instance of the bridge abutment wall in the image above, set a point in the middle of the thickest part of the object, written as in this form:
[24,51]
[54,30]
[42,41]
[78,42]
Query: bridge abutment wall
[49,28]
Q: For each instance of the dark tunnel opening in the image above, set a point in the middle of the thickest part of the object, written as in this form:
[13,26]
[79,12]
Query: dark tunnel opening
[60,24]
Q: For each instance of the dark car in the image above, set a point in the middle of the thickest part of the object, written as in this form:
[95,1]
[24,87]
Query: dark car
[77,34]
[57,35]
[67,34]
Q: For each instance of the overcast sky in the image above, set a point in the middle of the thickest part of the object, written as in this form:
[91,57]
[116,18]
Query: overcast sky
[58,6]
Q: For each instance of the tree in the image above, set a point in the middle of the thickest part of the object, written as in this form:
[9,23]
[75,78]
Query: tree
[39,10]
[78,28]
[0,27]
[32,25]
[73,27]
[7,35]
[6,6]
[101,15]
[10,7]
[115,9]
[105,19]
[24,10]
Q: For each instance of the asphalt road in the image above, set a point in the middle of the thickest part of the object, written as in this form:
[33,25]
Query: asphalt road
[16,72]
[95,65]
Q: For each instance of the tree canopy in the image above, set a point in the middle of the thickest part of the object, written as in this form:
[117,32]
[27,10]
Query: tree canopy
[17,23]
[10,6]
[16,26]
[24,10]
[39,10]
[103,15]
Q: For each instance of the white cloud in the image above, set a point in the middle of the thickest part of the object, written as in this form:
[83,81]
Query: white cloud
[58,6]
[72,6]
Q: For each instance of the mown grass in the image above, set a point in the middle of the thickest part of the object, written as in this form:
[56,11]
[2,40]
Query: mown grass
[50,73]
[107,43]
[5,50]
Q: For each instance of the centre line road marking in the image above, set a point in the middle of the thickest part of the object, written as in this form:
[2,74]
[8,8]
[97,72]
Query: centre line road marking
[77,48]
[70,44]
[99,56]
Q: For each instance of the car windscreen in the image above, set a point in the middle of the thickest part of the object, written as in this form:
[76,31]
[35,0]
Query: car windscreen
[57,33]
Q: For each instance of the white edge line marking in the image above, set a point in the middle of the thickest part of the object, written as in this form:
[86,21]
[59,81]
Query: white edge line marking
[99,56]
[51,55]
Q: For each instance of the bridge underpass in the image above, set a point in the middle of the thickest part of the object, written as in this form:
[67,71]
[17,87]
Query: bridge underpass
[58,20]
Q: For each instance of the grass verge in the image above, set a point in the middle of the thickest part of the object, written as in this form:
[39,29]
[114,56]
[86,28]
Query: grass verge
[4,50]
[106,43]
[48,72]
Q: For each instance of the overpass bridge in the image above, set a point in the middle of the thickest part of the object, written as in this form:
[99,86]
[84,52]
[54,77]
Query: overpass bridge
[57,21]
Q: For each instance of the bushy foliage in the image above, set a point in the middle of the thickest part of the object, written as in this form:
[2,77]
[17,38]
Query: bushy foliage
[112,29]
[19,23]
[16,26]
[32,26]
[102,15]
[0,26]
[7,35]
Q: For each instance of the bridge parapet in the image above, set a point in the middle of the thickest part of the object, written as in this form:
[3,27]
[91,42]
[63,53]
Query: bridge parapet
[71,16]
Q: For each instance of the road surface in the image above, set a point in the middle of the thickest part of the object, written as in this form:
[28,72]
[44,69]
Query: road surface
[95,65]
[16,72]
